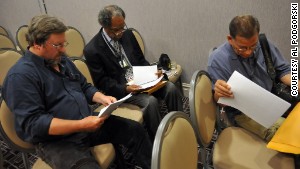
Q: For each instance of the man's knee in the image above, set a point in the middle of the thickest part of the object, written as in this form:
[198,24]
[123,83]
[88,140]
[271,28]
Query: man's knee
[170,87]
[152,101]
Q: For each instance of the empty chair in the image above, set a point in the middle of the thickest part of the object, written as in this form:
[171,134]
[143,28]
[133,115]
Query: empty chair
[235,147]
[3,31]
[175,144]
[125,110]
[76,42]
[21,38]
[8,58]
[139,39]
[6,42]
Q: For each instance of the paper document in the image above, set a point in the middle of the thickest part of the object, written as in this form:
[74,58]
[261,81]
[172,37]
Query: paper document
[144,74]
[111,107]
[150,84]
[254,101]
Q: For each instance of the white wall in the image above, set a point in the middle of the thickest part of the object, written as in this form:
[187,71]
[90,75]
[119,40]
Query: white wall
[185,30]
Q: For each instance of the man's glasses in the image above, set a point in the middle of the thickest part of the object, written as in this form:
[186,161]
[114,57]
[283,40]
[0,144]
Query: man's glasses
[118,31]
[244,49]
[60,45]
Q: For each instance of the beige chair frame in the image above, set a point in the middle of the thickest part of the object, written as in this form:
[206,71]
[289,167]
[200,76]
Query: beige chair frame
[235,147]
[139,39]
[6,42]
[76,42]
[8,57]
[3,31]
[125,110]
[175,144]
[21,37]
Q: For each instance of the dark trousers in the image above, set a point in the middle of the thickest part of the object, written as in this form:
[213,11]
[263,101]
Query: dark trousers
[75,154]
[150,106]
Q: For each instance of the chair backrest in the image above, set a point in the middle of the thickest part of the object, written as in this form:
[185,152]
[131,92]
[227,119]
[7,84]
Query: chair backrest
[76,42]
[7,59]
[8,132]
[3,31]
[139,39]
[21,38]
[202,107]
[235,147]
[175,144]
[6,42]
[82,67]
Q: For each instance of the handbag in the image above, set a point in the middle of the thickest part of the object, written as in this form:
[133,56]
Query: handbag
[279,89]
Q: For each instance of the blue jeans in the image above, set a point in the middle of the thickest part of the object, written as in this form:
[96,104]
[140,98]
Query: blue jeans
[75,154]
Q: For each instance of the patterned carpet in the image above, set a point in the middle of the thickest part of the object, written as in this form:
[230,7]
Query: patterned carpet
[13,159]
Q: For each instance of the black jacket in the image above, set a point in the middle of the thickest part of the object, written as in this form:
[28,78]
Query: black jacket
[107,74]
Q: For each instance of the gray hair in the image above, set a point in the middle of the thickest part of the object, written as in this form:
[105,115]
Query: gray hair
[245,26]
[106,14]
[41,27]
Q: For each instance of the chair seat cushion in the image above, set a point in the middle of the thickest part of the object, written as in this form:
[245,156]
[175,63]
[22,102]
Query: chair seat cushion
[238,148]
[40,164]
[104,154]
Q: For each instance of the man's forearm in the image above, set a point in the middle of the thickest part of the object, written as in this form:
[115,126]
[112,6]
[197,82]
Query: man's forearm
[64,127]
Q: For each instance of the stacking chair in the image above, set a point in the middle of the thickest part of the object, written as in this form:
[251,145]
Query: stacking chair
[104,154]
[125,110]
[174,75]
[3,31]
[6,42]
[139,39]
[235,147]
[175,144]
[8,57]
[76,43]
[21,38]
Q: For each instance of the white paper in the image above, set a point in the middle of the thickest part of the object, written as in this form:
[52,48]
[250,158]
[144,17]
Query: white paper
[144,74]
[150,84]
[111,107]
[254,101]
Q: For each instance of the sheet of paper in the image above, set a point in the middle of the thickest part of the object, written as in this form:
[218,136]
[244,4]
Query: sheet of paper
[144,74]
[150,84]
[254,101]
[111,107]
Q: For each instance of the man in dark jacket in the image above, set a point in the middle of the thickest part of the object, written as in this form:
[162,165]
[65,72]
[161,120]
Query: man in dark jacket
[110,56]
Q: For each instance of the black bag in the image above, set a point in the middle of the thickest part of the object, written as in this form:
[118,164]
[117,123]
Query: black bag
[165,62]
[279,89]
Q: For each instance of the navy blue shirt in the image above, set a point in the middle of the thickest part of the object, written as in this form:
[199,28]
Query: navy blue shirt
[36,93]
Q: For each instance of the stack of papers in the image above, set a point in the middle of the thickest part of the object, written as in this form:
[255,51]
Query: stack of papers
[113,106]
[145,76]
[254,101]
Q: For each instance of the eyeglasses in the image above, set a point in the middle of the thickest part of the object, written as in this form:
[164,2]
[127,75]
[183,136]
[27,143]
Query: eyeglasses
[60,45]
[244,49]
[118,31]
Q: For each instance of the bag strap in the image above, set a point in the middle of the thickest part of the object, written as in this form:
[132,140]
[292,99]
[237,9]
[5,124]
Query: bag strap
[267,55]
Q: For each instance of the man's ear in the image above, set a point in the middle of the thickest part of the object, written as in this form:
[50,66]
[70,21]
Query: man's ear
[230,39]
[36,46]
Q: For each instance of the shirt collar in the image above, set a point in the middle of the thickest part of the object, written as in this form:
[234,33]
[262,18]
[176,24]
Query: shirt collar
[106,36]
[40,60]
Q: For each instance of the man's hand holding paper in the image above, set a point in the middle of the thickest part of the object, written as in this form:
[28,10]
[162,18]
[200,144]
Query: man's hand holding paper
[146,76]
[254,101]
